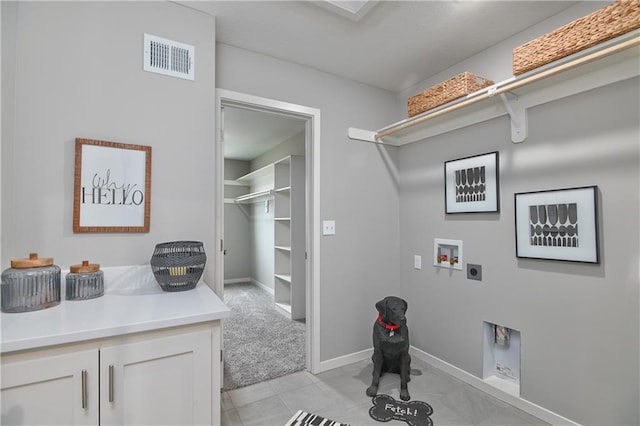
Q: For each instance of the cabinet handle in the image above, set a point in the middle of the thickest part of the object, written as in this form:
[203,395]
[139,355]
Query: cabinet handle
[84,389]
[111,383]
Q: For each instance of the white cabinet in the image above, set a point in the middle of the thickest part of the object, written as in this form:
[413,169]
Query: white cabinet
[145,379]
[289,236]
[161,381]
[48,389]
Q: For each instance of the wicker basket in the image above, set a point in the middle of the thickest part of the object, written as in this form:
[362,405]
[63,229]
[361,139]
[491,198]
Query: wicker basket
[603,24]
[447,91]
[178,265]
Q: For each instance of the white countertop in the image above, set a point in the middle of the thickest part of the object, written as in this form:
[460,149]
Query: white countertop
[119,311]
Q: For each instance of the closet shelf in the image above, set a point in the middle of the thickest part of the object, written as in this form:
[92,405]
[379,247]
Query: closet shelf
[284,277]
[609,62]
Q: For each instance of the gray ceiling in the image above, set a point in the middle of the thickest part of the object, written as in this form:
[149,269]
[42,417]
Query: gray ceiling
[395,45]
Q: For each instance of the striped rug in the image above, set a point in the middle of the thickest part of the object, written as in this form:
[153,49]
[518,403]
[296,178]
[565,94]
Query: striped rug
[302,418]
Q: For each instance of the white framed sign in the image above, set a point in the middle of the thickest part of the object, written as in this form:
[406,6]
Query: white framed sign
[112,187]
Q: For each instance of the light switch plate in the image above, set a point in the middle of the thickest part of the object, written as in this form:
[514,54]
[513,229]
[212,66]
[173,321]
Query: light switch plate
[328,227]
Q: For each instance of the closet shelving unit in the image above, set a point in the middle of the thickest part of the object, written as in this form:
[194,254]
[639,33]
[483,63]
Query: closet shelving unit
[289,236]
[607,63]
[283,182]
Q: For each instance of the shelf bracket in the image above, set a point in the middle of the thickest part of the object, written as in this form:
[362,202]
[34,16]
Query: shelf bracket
[518,116]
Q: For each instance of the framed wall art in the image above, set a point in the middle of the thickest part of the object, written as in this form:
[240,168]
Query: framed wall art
[559,224]
[112,187]
[472,184]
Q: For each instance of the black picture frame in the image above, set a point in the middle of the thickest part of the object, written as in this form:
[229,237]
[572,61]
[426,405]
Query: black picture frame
[472,184]
[558,224]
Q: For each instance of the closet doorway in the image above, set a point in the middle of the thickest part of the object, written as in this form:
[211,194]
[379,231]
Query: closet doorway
[267,213]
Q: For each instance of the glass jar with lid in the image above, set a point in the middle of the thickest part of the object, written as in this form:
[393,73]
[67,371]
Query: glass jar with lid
[84,281]
[30,284]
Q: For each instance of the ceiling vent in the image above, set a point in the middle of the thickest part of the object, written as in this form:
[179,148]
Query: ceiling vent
[168,57]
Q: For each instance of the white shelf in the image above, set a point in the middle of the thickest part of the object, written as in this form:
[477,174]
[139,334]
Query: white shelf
[256,175]
[234,183]
[607,63]
[284,307]
[284,277]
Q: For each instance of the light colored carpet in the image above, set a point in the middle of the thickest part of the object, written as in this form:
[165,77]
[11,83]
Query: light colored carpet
[259,342]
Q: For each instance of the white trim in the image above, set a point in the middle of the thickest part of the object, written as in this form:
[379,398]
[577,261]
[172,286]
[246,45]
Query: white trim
[312,115]
[237,280]
[265,287]
[523,404]
[252,281]
[341,361]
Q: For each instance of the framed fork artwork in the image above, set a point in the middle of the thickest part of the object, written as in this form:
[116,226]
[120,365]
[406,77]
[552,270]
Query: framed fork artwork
[558,224]
[472,184]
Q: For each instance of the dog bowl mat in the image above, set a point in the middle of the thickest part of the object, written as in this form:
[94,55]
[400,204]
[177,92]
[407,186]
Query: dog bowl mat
[415,413]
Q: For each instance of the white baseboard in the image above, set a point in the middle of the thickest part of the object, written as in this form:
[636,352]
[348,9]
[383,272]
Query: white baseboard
[345,360]
[249,280]
[237,280]
[263,286]
[526,406]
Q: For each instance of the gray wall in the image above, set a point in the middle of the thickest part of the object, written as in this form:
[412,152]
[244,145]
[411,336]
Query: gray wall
[76,71]
[579,323]
[359,265]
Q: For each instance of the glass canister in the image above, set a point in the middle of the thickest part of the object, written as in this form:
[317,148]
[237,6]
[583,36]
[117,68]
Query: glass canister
[30,284]
[84,281]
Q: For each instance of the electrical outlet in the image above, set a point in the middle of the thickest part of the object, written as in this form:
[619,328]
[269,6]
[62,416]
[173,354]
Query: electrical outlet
[474,272]
[417,261]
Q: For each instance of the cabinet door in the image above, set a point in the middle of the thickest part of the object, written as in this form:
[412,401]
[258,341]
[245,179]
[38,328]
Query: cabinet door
[165,381]
[51,390]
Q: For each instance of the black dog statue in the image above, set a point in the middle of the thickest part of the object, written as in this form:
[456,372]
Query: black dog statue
[391,344]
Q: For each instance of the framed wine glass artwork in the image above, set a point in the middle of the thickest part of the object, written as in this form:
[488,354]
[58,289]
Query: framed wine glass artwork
[472,184]
[558,224]
[112,187]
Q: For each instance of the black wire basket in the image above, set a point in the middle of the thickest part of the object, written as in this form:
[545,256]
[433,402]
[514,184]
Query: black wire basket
[178,265]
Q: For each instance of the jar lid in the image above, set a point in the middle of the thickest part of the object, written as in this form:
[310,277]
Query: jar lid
[85,267]
[32,262]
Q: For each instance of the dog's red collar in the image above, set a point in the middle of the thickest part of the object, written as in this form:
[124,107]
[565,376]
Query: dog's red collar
[391,327]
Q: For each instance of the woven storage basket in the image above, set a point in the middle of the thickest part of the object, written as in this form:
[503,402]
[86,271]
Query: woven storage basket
[447,91]
[178,265]
[603,24]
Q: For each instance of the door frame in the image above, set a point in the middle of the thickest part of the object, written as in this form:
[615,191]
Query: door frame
[312,203]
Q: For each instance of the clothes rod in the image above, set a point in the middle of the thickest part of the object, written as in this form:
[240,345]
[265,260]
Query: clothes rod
[253,195]
[515,84]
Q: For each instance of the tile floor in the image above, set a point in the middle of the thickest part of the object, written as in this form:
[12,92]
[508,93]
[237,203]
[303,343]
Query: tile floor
[339,395]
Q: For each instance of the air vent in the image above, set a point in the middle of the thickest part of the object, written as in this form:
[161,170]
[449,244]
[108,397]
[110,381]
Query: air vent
[168,57]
